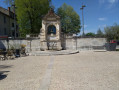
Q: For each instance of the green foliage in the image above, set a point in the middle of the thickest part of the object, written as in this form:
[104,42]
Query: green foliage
[90,34]
[99,33]
[11,47]
[30,13]
[112,32]
[70,20]
[9,2]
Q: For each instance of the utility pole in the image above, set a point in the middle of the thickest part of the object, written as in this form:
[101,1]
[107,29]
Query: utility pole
[83,18]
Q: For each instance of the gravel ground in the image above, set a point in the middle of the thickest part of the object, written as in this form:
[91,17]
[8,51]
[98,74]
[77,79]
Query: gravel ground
[24,73]
[87,70]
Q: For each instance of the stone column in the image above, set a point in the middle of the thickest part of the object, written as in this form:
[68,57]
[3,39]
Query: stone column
[43,37]
[59,46]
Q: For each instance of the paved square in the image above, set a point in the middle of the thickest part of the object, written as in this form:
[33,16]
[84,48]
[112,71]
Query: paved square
[87,70]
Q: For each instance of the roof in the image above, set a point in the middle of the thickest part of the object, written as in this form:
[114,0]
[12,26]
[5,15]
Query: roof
[5,11]
[51,14]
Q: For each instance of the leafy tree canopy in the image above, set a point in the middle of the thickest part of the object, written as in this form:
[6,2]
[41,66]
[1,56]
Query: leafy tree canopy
[30,13]
[99,33]
[112,32]
[90,34]
[70,20]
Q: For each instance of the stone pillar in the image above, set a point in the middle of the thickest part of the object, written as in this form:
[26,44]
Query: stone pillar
[43,46]
[43,42]
[59,46]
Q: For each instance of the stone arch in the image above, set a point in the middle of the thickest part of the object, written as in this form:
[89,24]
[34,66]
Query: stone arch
[49,24]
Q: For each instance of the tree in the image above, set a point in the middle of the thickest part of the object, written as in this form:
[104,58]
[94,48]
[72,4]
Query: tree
[112,32]
[30,13]
[99,33]
[90,34]
[70,20]
[9,2]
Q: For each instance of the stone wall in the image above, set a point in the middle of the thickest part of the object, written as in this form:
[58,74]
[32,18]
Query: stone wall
[31,45]
[85,43]
[69,44]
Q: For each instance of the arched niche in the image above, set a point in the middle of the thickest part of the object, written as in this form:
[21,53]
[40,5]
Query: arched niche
[51,30]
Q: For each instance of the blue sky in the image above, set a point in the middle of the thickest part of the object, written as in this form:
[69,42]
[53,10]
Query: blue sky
[97,13]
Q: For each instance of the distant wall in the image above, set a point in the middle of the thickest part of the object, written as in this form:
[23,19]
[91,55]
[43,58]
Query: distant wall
[85,43]
[31,45]
[69,44]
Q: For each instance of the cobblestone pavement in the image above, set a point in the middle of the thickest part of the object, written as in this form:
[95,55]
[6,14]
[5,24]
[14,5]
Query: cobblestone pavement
[87,70]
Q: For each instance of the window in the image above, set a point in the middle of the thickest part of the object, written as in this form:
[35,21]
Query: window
[16,27]
[12,24]
[0,32]
[13,34]
[5,31]
[17,35]
[4,19]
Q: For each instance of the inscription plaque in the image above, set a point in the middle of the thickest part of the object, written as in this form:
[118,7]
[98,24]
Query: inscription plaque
[52,38]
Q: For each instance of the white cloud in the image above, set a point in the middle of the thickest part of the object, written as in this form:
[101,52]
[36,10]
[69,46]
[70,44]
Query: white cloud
[102,26]
[112,1]
[109,1]
[102,19]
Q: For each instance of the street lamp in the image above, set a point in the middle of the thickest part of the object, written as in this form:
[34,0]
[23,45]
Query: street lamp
[14,21]
[83,18]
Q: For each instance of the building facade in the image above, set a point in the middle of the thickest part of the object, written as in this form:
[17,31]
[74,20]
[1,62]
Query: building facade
[8,23]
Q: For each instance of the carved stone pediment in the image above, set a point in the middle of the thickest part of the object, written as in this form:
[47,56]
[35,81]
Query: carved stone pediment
[51,16]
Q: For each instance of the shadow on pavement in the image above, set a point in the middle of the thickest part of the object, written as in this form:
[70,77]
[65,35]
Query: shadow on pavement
[5,66]
[2,75]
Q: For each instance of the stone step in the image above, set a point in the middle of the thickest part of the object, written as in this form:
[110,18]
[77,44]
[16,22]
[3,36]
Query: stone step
[49,53]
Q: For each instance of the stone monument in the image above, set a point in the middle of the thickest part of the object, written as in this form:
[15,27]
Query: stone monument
[50,34]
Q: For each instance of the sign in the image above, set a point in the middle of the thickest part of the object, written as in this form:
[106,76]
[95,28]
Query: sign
[52,38]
